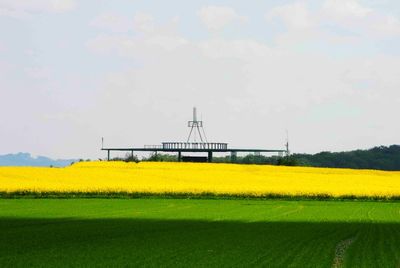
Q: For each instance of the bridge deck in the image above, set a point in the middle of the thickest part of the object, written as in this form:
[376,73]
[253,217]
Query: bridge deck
[192,150]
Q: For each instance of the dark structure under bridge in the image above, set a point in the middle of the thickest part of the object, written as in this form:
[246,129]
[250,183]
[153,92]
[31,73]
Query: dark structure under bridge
[195,146]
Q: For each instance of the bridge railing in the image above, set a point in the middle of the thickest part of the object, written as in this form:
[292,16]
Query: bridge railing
[153,147]
[195,145]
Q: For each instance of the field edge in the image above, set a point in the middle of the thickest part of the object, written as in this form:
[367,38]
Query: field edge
[171,195]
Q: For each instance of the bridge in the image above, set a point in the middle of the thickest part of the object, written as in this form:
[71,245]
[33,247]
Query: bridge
[194,146]
[191,147]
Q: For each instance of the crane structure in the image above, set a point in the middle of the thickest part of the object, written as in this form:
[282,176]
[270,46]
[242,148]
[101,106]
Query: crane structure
[196,126]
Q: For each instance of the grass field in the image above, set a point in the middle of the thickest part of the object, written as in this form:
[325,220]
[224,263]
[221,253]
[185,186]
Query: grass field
[181,232]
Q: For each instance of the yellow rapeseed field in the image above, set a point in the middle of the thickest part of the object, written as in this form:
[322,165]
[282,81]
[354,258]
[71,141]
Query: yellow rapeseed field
[199,178]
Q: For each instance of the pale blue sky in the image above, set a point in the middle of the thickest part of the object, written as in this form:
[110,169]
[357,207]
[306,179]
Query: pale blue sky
[72,72]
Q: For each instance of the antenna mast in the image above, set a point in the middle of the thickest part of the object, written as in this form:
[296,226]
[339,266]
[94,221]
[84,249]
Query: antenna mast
[287,144]
[196,125]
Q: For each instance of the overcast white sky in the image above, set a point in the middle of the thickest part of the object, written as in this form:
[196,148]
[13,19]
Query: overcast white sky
[130,71]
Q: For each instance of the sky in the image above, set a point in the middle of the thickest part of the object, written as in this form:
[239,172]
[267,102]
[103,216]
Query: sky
[72,72]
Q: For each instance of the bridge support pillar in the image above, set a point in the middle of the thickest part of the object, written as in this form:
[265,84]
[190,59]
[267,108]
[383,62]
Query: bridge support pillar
[179,156]
[108,155]
[210,156]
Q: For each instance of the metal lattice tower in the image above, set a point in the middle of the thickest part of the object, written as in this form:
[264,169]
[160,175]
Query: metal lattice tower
[197,126]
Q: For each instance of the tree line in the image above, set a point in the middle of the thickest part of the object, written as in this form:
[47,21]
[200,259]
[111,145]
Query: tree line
[381,157]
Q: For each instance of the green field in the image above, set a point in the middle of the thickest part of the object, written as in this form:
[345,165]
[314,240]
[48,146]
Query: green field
[182,232]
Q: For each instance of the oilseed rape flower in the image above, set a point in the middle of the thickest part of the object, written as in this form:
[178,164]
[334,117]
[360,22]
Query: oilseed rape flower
[199,178]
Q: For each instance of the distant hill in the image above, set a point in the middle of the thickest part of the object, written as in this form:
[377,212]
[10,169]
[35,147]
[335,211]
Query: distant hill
[25,159]
[382,157]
